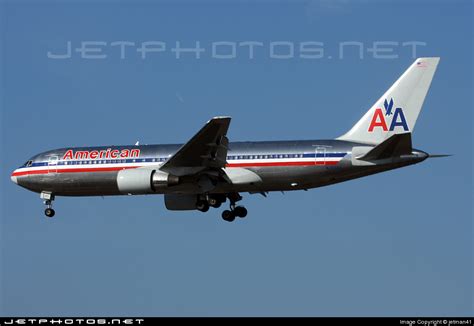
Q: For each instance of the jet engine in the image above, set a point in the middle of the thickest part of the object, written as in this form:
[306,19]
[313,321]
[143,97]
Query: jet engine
[144,181]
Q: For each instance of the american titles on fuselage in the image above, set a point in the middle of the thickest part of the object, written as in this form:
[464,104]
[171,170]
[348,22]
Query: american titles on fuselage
[100,154]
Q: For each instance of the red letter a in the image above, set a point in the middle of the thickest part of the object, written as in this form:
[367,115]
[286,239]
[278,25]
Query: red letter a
[378,120]
[68,155]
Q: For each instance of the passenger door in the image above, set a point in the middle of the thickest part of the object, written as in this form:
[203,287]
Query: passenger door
[53,164]
[320,156]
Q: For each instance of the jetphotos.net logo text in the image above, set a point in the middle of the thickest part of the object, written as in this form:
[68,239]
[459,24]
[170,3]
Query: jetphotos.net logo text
[230,50]
[70,321]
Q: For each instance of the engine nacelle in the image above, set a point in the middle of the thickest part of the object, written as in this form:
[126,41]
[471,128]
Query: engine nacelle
[144,181]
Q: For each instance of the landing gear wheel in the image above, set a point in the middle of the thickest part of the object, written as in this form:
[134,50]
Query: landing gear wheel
[217,204]
[228,216]
[48,198]
[202,206]
[240,211]
[214,202]
[49,212]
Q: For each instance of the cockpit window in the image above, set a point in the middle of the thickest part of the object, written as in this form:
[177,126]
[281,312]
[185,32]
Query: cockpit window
[28,163]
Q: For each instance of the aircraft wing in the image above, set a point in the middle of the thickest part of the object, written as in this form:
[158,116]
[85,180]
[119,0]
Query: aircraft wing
[206,149]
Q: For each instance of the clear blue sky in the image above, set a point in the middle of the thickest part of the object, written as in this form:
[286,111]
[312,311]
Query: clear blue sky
[398,243]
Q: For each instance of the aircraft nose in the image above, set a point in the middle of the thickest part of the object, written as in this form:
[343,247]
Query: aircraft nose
[14,178]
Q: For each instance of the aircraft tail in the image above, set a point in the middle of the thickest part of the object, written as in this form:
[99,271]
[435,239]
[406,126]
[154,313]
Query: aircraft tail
[397,110]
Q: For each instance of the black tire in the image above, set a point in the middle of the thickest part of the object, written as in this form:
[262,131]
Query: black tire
[211,201]
[240,211]
[228,216]
[217,204]
[215,200]
[49,212]
[202,206]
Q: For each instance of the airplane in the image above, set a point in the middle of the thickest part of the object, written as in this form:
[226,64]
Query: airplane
[208,170]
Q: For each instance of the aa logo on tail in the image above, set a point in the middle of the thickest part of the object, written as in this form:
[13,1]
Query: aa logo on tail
[380,118]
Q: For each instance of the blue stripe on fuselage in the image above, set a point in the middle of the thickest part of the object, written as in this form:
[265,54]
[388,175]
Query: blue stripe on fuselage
[163,159]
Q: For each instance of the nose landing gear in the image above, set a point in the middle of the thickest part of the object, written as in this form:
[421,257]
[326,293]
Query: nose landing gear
[49,212]
[48,201]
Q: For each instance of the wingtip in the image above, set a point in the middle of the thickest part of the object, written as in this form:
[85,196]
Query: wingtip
[220,118]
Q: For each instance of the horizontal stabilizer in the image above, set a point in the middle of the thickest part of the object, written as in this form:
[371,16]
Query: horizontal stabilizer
[397,145]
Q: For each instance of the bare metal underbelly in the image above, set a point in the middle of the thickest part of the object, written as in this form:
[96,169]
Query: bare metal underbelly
[74,184]
[273,179]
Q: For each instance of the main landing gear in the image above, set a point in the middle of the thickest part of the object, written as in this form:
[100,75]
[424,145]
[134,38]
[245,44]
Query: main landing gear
[229,215]
[48,201]
[204,202]
[235,211]
[216,200]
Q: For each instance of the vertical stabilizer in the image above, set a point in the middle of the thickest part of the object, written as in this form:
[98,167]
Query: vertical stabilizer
[397,110]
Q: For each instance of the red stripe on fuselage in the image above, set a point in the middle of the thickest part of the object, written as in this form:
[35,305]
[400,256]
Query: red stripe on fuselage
[76,170]
[230,165]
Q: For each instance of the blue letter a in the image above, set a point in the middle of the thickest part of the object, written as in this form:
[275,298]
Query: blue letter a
[402,122]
